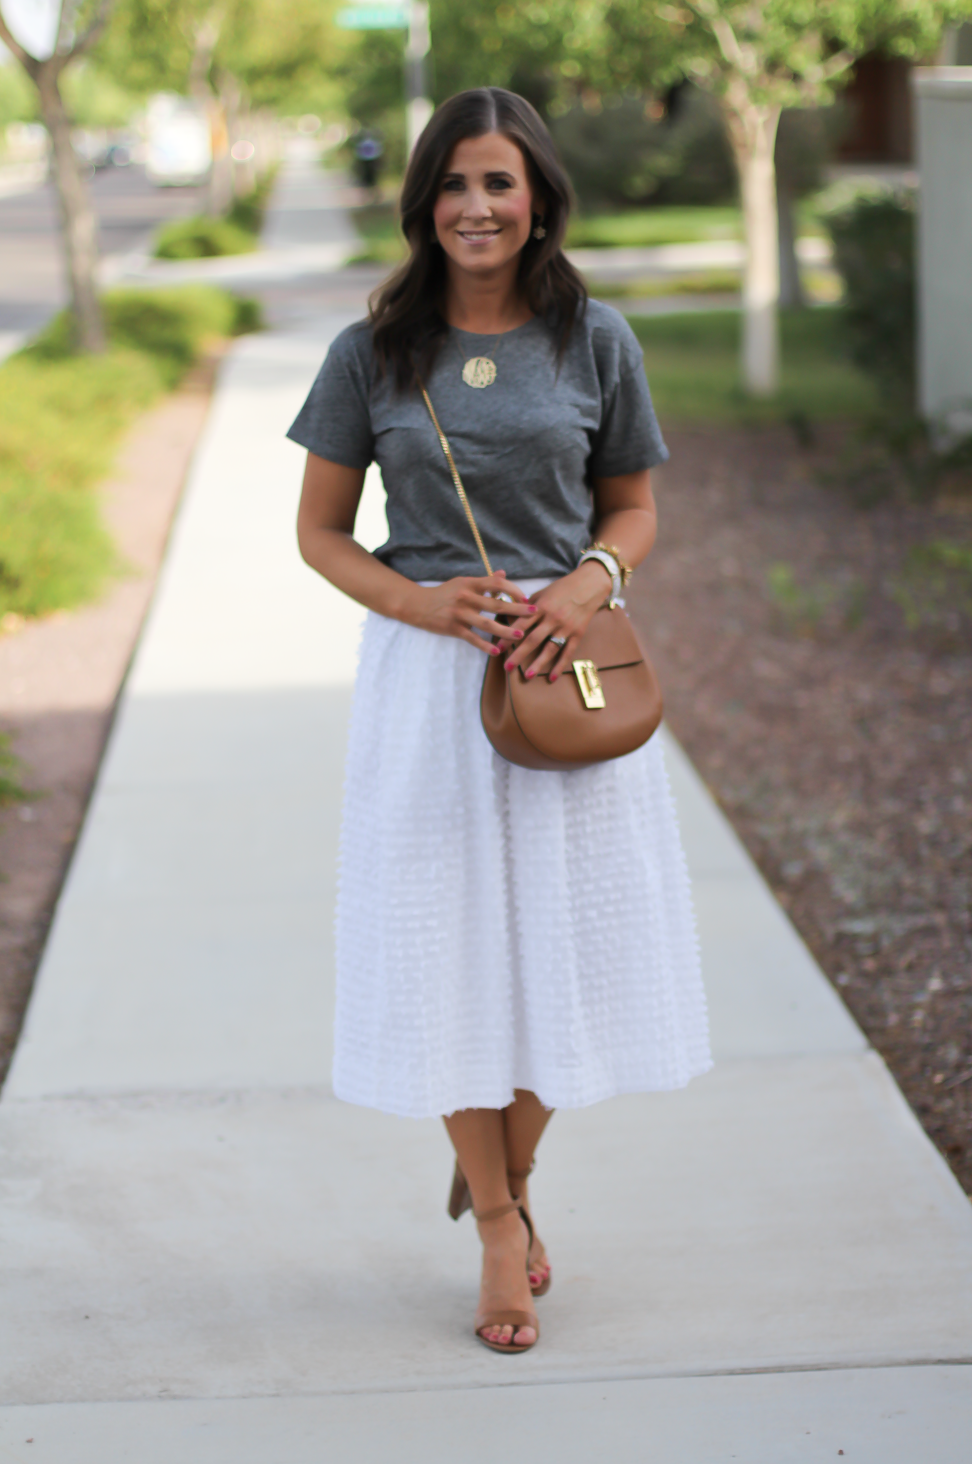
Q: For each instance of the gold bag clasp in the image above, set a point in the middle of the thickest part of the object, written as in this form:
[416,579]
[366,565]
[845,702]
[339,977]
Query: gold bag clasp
[590,685]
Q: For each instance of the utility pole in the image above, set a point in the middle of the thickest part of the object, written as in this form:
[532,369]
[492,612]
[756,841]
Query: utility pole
[418,107]
[411,16]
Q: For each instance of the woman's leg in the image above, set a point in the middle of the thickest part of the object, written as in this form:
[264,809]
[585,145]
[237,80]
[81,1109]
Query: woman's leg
[478,1137]
[524,1121]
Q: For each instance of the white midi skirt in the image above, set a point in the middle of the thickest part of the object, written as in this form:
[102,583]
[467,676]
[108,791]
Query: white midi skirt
[500,928]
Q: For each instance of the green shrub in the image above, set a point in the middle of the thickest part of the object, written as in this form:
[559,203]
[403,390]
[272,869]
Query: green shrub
[171,325]
[205,237]
[60,419]
[59,426]
[174,325]
[202,237]
[874,250]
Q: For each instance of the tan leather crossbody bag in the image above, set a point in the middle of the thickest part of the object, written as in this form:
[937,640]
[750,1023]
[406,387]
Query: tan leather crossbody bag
[605,704]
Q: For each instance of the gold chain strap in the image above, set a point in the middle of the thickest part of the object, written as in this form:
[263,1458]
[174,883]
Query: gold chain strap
[444,444]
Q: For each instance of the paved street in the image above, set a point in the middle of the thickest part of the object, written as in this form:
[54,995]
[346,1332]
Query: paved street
[31,271]
[206,1257]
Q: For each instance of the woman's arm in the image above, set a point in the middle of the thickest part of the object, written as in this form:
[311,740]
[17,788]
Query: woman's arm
[325,525]
[625,518]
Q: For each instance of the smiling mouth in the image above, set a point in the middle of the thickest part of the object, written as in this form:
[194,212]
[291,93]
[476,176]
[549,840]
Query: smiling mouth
[477,236]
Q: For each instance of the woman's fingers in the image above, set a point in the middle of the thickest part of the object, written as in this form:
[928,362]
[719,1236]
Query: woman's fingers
[538,653]
[479,642]
[552,659]
[488,606]
[511,633]
[498,584]
[564,658]
[532,642]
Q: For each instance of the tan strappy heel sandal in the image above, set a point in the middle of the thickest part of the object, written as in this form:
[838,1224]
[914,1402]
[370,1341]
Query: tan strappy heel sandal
[544,1273]
[460,1200]
[515,1319]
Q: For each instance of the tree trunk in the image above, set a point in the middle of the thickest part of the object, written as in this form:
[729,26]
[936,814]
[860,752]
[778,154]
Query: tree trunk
[752,129]
[221,173]
[79,230]
[242,172]
[791,286]
[204,41]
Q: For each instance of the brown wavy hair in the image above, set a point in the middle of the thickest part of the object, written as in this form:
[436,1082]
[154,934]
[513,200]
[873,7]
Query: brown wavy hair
[407,313]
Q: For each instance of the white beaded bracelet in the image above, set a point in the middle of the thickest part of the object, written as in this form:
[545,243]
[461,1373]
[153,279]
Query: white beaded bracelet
[610,564]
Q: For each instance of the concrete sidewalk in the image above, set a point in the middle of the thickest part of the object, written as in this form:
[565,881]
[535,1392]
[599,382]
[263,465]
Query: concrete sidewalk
[207,1258]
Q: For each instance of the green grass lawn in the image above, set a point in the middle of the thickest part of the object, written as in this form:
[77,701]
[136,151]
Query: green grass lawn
[670,224]
[382,242]
[692,363]
[702,282]
[637,227]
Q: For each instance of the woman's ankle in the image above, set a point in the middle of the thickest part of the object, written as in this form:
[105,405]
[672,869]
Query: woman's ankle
[503,1229]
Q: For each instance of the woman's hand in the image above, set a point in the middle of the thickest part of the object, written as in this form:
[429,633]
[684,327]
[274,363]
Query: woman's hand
[566,608]
[464,606]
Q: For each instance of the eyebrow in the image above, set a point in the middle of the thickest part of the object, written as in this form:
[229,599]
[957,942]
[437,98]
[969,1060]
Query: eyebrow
[493,173]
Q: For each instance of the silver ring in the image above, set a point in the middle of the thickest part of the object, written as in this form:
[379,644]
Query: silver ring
[558,640]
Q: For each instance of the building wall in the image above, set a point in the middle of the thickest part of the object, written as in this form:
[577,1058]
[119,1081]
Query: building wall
[944,132]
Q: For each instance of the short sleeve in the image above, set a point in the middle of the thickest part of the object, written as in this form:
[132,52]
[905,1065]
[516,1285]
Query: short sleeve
[335,420]
[629,439]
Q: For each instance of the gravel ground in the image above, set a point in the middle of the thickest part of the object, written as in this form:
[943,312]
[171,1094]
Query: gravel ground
[836,736]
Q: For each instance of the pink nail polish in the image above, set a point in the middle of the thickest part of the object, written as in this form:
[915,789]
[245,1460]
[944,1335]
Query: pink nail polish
[531,673]
[553,676]
[517,635]
[508,666]
[531,609]
[494,650]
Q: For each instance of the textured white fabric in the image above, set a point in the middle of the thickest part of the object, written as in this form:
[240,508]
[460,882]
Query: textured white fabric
[501,928]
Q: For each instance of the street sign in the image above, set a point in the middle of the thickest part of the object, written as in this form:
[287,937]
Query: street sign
[373,17]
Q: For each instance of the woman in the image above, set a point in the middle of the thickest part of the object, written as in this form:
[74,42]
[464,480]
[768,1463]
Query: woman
[508,941]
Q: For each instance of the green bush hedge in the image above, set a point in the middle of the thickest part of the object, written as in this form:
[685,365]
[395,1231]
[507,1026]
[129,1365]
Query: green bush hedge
[170,325]
[206,237]
[202,238]
[61,416]
[874,250]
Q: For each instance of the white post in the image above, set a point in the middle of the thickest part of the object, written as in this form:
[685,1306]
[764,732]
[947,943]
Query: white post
[944,116]
[418,107]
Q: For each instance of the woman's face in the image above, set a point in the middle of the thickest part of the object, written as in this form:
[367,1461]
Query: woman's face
[484,212]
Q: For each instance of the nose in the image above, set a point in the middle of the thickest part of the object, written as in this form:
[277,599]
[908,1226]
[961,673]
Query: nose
[477,204]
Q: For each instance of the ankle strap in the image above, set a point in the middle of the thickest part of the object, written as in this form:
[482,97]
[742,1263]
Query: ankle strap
[499,1211]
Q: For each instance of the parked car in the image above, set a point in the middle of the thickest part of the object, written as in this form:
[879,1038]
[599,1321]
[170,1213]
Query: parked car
[178,142]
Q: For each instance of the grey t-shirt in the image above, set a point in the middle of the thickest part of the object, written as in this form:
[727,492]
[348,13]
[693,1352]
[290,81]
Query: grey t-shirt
[527,448]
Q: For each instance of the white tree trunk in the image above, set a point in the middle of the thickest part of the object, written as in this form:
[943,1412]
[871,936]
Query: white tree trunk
[752,129]
[79,229]
[791,285]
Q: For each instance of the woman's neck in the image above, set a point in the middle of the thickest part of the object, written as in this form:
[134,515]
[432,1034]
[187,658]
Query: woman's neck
[485,304]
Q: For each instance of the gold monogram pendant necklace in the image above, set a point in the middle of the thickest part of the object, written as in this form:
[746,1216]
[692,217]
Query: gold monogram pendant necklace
[480,371]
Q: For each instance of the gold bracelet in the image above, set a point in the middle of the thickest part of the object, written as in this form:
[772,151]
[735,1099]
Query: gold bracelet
[624,570]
